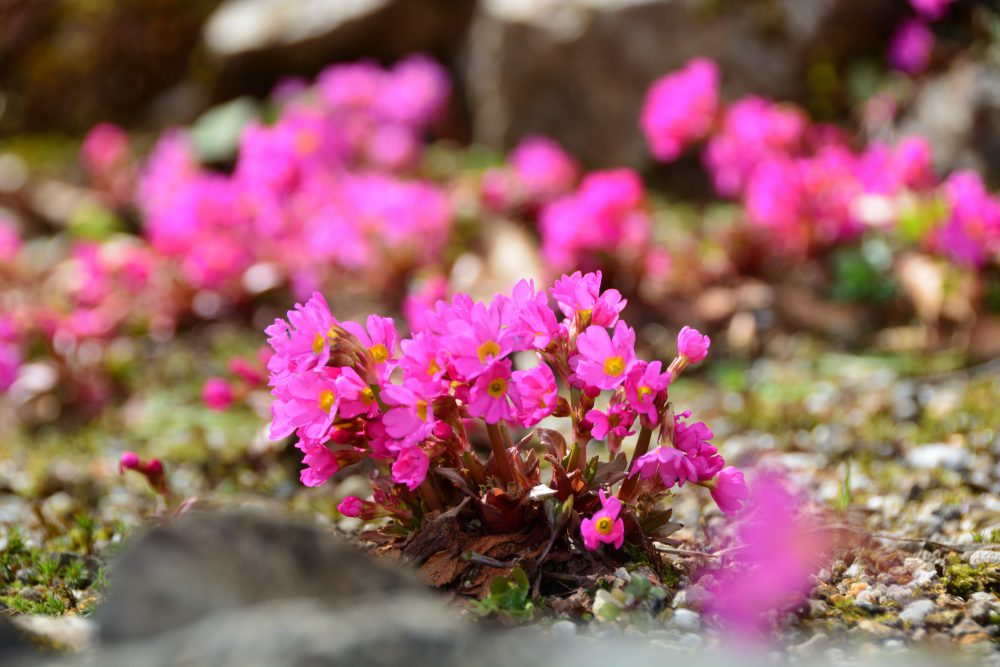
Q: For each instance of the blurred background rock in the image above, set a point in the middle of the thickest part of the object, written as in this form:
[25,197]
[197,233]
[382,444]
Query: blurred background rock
[575,70]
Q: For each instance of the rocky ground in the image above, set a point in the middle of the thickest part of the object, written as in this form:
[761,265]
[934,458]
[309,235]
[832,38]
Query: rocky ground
[902,453]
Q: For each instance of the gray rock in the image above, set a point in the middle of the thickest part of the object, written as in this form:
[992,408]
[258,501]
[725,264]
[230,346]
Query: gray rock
[958,112]
[578,70]
[939,455]
[901,595]
[563,629]
[917,611]
[258,41]
[981,607]
[984,557]
[205,563]
[686,620]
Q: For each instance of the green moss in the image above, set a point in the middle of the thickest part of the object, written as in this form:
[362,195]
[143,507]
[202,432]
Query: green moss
[962,579]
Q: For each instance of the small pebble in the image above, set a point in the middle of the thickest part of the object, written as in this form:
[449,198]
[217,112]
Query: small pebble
[917,611]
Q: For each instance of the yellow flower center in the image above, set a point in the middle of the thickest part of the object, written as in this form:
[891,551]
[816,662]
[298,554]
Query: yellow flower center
[489,348]
[367,396]
[585,316]
[497,388]
[604,525]
[326,399]
[614,366]
[433,368]
[644,391]
[379,353]
[318,343]
[422,410]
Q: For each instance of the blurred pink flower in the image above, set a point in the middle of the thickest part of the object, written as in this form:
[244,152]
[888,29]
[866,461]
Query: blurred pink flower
[680,108]
[911,46]
[217,393]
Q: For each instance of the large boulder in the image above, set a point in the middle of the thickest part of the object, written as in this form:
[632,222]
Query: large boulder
[958,112]
[256,42]
[578,70]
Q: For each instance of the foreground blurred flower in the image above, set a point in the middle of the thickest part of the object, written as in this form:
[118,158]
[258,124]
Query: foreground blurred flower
[778,550]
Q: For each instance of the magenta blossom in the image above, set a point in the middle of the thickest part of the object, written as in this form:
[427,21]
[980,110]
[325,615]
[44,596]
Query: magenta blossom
[680,108]
[537,394]
[911,46]
[614,422]
[692,344]
[932,10]
[671,465]
[536,322]
[350,506]
[730,490]
[581,293]
[645,386]
[217,393]
[604,361]
[321,464]
[307,403]
[410,467]
[605,525]
[492,393]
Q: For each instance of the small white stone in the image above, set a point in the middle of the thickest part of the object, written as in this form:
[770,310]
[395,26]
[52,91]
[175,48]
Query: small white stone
[917,611]
[686,620]
[564,629]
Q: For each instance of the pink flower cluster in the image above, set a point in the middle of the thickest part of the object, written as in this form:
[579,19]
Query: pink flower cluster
[605,216]
[318,190]
[537,171]
[912,44]
[350,391]
[680,108]
[805,187]
[10,353]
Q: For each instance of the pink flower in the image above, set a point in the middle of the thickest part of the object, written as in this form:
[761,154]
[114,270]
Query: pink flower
[492,393]
[605,525]
[10,362]
[350,506]
[730,490]
[911,46]
[422,363]
[217,394]
[303,341]
[581,293]
[412,420]
[247,371]
[484,337]
[307,403]
[414,93]
[971,233]
[321,464]
[604,216]
[692,344]
[604,361]
[410,467]
[753,129]
[381,340]
[129,461]
[543,169]
[645,388]
[104,149]
[419,302]
[931,10]
[672,466]
[615,421]
[536,392]
[680,108]
[356,396]
[10,242]
[536,322]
